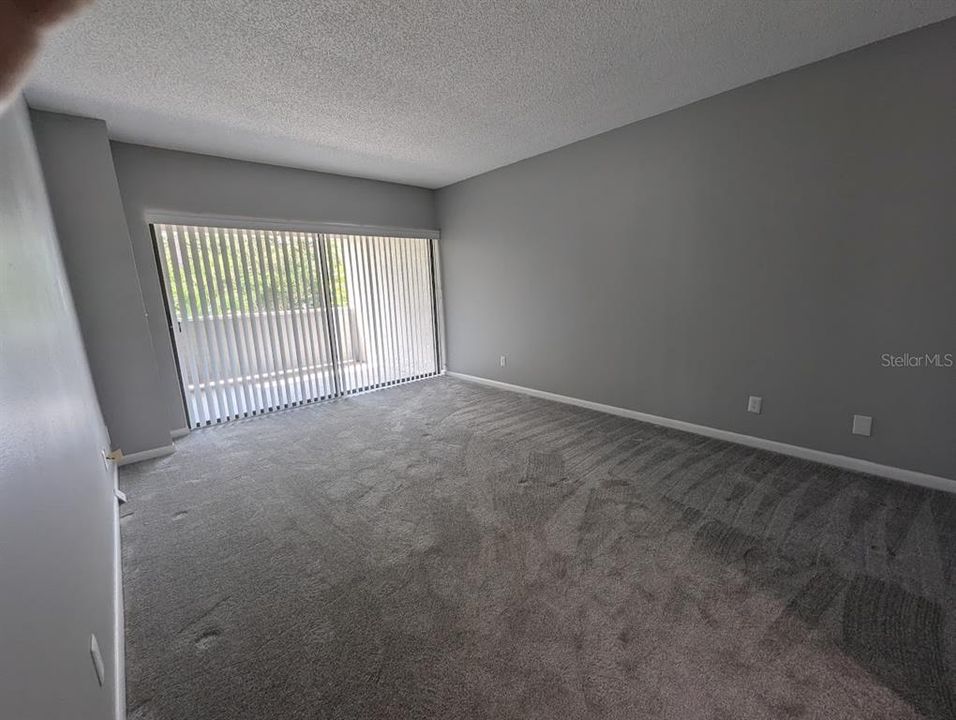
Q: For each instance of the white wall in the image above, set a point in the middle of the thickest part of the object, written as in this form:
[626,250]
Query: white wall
[57,513]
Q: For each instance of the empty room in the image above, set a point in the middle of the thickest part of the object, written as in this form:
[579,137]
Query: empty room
[478,360]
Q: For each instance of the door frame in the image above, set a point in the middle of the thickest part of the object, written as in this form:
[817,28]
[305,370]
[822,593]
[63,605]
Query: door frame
[238,222]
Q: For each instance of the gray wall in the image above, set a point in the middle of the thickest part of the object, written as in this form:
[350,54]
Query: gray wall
[775,240]
[57,513]
[81,182]
[153,180]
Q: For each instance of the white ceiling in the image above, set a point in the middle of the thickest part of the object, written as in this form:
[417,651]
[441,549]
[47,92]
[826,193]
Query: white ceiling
[426,92]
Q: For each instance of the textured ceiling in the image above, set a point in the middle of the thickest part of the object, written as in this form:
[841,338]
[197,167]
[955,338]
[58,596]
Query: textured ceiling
[426,92]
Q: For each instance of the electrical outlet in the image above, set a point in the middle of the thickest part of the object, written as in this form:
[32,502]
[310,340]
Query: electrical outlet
[862,425]
[755,404]
[503,360]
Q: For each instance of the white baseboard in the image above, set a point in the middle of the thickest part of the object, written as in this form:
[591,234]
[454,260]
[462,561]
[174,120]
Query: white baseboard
[146,455]
[841,461]
[119,615]
[180,433]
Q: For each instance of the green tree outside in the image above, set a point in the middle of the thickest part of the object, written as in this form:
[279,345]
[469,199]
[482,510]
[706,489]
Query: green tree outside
[225,271]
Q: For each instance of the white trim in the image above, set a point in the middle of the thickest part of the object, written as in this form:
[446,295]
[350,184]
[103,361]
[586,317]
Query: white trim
[146,455]
[258,223]
[119,615]
[439,306]
[841,461]
[180,433]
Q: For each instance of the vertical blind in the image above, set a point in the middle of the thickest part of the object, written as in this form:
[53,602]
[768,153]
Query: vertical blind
[268,319]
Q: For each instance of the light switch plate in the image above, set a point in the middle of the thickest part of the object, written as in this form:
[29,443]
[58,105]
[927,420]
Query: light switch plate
[755,404]
[862,425]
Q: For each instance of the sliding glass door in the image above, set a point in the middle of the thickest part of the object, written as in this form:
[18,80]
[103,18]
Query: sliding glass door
[266,319]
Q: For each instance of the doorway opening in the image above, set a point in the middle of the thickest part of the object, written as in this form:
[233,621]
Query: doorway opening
[263,320]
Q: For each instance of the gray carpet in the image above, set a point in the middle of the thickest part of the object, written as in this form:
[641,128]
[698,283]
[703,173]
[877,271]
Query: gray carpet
[443,550]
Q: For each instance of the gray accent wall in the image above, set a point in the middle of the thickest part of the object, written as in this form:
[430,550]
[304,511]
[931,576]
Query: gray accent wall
[775,240]
[188,185]
[91,224]
[57,513]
